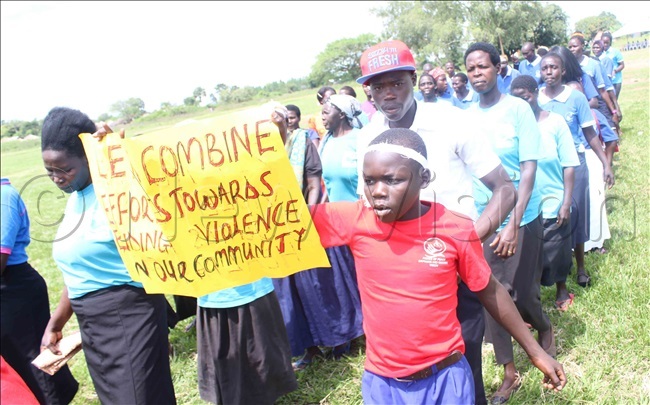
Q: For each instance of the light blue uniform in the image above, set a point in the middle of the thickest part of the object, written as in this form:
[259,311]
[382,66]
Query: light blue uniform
[237,296]
[511,129]
[339,160]
[14,233]
[84,248]
[559,152]
[471,98]
[574,108]
[531,68]
[503,83]
[617,57]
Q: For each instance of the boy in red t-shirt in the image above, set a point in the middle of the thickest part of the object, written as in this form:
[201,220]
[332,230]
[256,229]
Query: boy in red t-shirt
[408,254]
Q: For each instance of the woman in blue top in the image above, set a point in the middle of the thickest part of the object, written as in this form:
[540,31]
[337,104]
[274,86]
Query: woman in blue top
[510,126]
[25,306]
[554,177]
[593,69]
[334,310]
[123,329]
[617,57]
[573,106]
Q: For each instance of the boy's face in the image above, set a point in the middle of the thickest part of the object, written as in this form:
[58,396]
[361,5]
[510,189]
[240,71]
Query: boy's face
[393,184]
[393,93]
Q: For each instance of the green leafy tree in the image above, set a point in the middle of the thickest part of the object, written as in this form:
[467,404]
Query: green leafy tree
[444,29]
[189,101]
[104,117]
[433,30]
[508,25]
[605,21]
[339,62]
[551,28]
[198,95]
[129,109]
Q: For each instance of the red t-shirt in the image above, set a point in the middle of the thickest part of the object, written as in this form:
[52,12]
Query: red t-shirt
[407,274]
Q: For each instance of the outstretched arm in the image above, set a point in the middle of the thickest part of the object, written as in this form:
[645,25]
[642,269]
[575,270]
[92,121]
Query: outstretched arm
[498,303]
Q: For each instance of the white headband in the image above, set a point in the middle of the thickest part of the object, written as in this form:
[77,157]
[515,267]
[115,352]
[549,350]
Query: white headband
[401,150]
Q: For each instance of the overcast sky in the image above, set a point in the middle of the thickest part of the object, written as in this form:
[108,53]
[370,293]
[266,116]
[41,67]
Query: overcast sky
[88,55]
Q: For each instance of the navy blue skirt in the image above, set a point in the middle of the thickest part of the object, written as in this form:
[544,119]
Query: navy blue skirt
[322,307]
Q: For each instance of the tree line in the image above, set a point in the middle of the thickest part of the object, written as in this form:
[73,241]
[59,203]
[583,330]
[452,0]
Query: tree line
[436,32]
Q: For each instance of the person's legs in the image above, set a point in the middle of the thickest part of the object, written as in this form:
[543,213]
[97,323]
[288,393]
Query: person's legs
[472,322]
[617,89]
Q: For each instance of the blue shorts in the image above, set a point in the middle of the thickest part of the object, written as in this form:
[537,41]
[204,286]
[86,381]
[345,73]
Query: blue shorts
[452,385]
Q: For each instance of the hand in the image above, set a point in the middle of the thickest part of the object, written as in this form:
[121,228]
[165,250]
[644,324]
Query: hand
[505,243]
[103,129]
[554,377]
[51,340]
[563,215]
[608,177]
[616,118]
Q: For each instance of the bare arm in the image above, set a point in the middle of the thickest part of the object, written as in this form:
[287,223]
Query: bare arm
[498,303]
[3,262]
[564,213]
[502,202]
[59,318]
[313,189]
[594,142]
[505,244]
[620,67]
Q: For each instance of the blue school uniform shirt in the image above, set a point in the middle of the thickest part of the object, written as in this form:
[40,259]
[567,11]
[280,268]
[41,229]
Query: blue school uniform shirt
[559,153]
[84,248]
[572,105]
[472,97]
[237,296]
[14,227]
[617,57]
[531,68]
[605,131]
[607,64]
[338,157]
[594,71]
[588,87]
[503,83]
[511,129]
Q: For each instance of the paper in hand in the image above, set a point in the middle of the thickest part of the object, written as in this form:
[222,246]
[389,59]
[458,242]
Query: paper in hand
[50,362]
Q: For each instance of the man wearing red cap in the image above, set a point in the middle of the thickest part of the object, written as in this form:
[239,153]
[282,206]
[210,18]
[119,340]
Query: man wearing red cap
[455,154]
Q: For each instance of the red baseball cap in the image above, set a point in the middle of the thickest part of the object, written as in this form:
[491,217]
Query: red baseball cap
[387,56]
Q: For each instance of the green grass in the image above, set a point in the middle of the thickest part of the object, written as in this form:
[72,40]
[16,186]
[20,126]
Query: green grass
[603,340]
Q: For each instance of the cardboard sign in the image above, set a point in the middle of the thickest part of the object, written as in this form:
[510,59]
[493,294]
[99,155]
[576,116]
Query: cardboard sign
[206,205]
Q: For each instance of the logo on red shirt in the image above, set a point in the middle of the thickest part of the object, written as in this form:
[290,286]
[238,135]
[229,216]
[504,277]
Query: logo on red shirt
[434,252]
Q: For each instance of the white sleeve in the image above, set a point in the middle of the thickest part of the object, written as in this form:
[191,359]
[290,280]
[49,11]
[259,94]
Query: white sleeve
[473,149]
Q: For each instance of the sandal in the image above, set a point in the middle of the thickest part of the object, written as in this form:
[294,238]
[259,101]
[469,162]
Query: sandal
[583,280]
[563,305]
[502,396]
[303,362]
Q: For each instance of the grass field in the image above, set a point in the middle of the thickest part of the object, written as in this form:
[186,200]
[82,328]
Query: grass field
[603,340]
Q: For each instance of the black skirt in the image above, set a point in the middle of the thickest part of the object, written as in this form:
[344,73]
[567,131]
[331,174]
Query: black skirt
[25,312]
[124,338]
[557,252]
[243,353]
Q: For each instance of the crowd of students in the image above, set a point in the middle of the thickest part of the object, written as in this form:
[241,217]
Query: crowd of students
[443,211]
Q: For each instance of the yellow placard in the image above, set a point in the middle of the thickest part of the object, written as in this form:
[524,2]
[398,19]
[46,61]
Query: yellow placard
[205,205]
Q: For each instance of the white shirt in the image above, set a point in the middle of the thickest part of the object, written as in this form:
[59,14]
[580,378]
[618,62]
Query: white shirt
[454,153]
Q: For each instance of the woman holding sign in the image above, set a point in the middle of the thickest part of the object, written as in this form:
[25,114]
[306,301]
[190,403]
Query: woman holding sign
[123,329]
